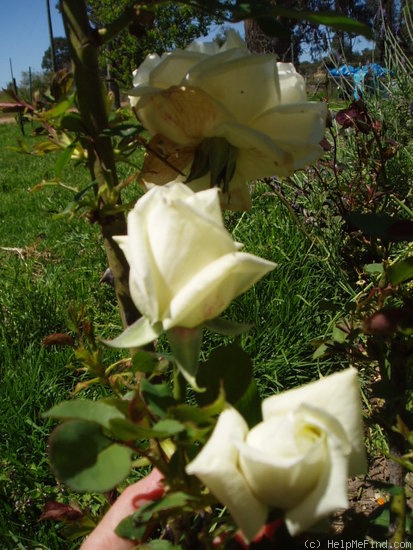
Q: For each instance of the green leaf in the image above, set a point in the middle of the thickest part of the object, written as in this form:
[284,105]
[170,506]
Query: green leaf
[123,130]
[143,361]
[72,122]
[401,271]
[186,346]
[133,527]
[159,545]
[216,156]
[321,350]
[138,334]
[226,327]
[60,108]
[63,159]
[228,367]
[373,269]
[82,409]
[158,397]
[126,430]
[261,9]
[249,406]
[85,459]
[374,225]
[383,226]
[339,335]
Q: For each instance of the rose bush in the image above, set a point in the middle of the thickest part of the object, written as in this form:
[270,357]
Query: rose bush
[254,108]
[297,459]
[185,267]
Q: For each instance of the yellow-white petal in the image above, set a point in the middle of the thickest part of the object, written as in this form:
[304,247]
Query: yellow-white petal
[337,394]
[292,84]
[233,40]
[329,495]
[246,86]
[216,467]
[280,470]
[174,67]
[142,73]
[252,140]
[212,289]
[184,115]
[300,123]
[238,197]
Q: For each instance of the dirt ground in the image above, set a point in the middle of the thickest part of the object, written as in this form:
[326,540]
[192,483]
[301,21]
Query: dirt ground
[7,119]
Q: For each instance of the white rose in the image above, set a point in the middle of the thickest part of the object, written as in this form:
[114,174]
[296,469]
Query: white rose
[297,459]
[185,267]
[259,106]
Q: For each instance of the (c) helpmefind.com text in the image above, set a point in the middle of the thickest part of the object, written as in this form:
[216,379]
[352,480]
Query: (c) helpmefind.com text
[355,544]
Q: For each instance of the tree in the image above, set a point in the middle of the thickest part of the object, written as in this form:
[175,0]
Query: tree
[62,56]
[167,27]
[33,83]
[294,34]
[286,45]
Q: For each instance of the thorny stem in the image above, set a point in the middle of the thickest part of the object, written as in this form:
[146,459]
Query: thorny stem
[83,47]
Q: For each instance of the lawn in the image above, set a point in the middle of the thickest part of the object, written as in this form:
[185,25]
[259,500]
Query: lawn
[51,265]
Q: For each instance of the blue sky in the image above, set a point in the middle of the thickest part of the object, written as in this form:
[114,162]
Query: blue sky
[24,36]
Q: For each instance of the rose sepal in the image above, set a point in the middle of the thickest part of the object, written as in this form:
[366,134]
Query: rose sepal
[137,335]
[186,346]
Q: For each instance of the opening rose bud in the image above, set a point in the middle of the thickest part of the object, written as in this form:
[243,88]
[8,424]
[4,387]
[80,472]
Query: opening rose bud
[185,268]
[297,459]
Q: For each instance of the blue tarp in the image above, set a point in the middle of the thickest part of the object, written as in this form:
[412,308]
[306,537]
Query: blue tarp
[357,75]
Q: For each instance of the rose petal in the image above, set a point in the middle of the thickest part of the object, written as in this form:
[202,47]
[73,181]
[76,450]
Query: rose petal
[337,394]
[142,73]
[184,115]
[328,496]
[283,474]
[292,84]
[174,67]
[297,123]
[207,203]
[210,62]
[216,466]
[234,84]
[208,48]
[211,290]
[154,279]
[253,142]
[165,162]
[177,235]
[143,278]
[296,129]
[238,197]
[233,40]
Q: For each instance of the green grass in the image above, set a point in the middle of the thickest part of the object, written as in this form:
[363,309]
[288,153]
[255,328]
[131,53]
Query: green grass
[45,266]
[287,307]
[49,264]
